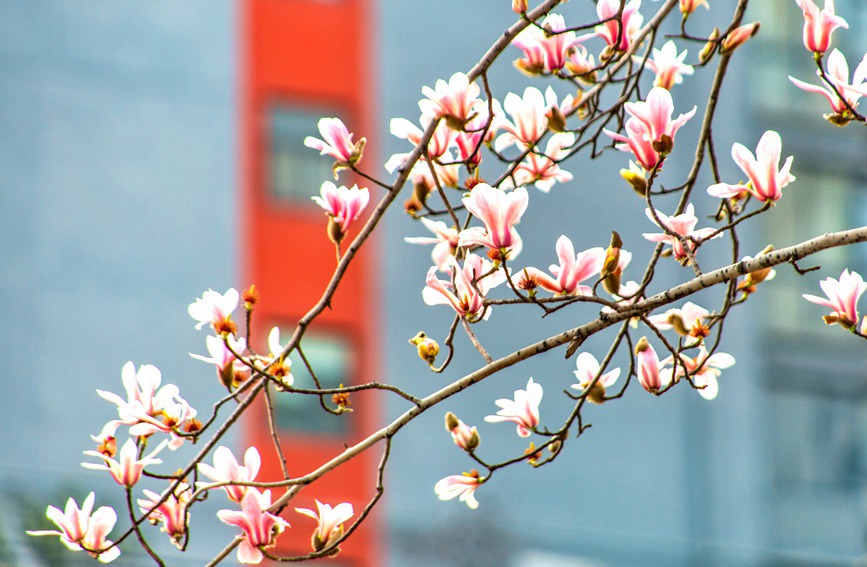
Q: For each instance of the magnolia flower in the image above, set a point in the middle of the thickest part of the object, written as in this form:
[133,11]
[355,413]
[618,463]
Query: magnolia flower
[227,469]
[543,171]
[337,143]
[126,472]
[687,321]
[519,6]
[480,130]
[618,33]
[838,76]
[460,485]
[456,101]
[648,366]
[259,526]
[172,513]
[842,298]
[223,358]
[627,295]
[819,25]
[738,37]
[687,7]
[214,308]
[523,410]
[330,527]
[277,364]
[79,529]
[682,225]
[343,205]
[467,297]
[587,370]
[464,436]
[668,65]
[703,369]
[441,141]
[767,179]
[500,211]
[528,122]
[544,53]
[445,241]
[572,270]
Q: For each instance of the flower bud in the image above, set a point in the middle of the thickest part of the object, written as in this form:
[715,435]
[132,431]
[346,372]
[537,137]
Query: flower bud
[687,7]
[250,297]
[710,47]
[648,366]
[635,177]
[519,6]
[452,421]
[738,36]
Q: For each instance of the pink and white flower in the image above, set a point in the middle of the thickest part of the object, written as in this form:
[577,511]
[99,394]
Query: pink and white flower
[618,33]
[445,241]
[462,486]
[648,367]
[682,225]
[738,37]
[343,205]
[172,513]
[572,270]
[441,141]
[688,320]
[500,211]
[523,410]
[838,76]
[819,25]
[587,370]
[128,470]
[227,469]
[543,171]
[457,101]
[260,528]
[330,527]
[469,293]
[544,53]
[79,529]
[213,307]
[668,65]
[842,298]
[337,143]
[223,358]
[767,179]
[464,436]
[528,121]
[703,369]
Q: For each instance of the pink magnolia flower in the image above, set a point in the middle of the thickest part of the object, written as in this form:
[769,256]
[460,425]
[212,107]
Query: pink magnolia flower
[500,211]
[79,529]
[467,299]
[343,205]
[330,527]
[544,53]
[819,25]
[668,65]
[337,143]
[687,321]
[442,140]
[627,295]
[172,513]
[277,363]
[126,472]
[523,410]
[572,270]
[618,33]
[838,75]
[519,6]
[683,225]
[464,436]
[704,370]
[528,122]
[650,129]
[445,241]
[738,37]
[842,298]
[543,171]
[687,7]
[587,369]
[457,101]
[213,308]
[227,469]
[222,357]
[581,64]
[648,366]
[460,485]
[767,179]
[260,527]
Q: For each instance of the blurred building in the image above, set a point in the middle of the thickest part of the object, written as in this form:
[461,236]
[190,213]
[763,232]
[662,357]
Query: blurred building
[150,151]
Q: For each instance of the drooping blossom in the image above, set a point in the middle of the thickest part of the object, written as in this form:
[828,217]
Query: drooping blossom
[528,121]
[457,101]
[464,436]
[128,470]
[543,170]
[650,129]
[330,527]
[682,225]
[214,308]
[668,65]
[648,366]
[462,486]
[570,272]
[227,469]
[838,76]
[445,241]
[79,529]
[687,7]
[841,297]
[260,528]
[688,321]
[544,52]
[618,33]
[523,410]
[766,177]
[500,211]
[337,143]
[703,369]
[819,25]
[738,37]
[466,298]
[172,513]
[223,358]
[343,205]
[587,369]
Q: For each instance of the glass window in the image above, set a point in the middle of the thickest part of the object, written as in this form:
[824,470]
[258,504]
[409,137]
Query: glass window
[294,171]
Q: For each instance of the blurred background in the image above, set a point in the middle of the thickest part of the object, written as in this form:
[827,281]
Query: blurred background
[152,150]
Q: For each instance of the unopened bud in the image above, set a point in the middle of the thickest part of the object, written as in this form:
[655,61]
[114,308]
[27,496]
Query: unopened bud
[738,37]
[710,47]
[555,447]
[642,345]
[519,6]
[452,421]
